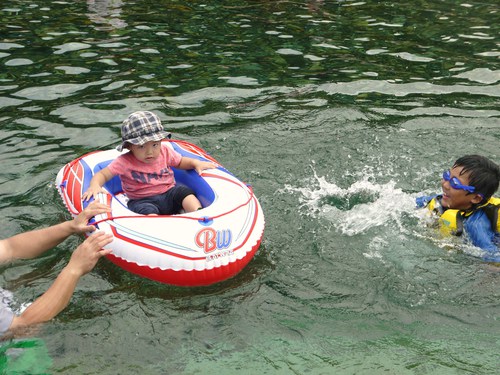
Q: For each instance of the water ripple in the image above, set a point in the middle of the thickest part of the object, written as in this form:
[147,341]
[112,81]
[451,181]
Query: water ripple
[54,92]
[404,89]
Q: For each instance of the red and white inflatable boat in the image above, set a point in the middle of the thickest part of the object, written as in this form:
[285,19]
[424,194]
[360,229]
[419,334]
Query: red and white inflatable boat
[192,249]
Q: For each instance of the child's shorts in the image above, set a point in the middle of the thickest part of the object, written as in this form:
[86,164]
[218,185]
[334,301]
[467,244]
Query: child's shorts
[168,203]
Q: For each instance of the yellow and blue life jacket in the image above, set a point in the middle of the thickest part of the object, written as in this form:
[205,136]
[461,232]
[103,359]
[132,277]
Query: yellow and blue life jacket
[451,220]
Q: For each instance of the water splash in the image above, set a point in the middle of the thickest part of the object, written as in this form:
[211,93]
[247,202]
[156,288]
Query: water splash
[367,204]
[354,210]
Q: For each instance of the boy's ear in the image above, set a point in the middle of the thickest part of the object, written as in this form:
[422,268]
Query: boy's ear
[477,198]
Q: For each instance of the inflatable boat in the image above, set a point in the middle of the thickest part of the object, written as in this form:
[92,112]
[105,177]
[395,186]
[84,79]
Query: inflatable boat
[190,249]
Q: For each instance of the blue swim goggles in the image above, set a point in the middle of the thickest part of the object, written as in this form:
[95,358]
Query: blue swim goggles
[455,182]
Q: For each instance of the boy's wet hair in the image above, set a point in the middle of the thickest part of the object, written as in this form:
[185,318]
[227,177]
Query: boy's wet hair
[484,174]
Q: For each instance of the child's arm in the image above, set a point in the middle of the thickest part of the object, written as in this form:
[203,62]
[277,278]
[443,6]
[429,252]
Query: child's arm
[424,200]
[96,184]
[478,228]
[198,165]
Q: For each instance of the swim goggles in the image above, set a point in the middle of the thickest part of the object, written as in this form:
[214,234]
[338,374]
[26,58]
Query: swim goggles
[455,182]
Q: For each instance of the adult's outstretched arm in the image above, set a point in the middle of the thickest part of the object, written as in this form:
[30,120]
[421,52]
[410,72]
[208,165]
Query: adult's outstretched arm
[33,243]
[57,297]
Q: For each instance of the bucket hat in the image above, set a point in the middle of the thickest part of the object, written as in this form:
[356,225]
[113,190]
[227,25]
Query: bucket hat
[141,127]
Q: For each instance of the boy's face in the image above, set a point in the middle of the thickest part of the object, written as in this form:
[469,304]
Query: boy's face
[458,199]
[148,152]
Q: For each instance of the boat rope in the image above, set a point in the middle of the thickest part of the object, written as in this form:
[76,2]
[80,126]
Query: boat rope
[202,219]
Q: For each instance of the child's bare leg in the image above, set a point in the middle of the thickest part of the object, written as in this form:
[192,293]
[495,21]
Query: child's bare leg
[191,203]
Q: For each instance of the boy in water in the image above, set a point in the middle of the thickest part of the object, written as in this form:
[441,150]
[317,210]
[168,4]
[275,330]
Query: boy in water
[467,203]
[145,171]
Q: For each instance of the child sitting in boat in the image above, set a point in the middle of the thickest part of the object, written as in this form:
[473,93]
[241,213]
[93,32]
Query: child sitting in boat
[467,204]
[145,171]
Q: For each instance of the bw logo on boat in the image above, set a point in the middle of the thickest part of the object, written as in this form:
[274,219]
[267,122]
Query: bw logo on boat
[210,240]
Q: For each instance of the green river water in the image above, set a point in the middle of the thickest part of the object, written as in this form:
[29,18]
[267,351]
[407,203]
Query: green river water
[338,113]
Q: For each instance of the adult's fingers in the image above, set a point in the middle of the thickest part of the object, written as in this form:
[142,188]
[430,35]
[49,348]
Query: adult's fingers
[100,239]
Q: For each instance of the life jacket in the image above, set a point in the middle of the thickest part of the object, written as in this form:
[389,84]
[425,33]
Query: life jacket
[451,221]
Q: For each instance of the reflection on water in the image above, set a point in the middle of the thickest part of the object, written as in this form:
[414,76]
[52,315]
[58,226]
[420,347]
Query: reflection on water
[106,14]
[337,113]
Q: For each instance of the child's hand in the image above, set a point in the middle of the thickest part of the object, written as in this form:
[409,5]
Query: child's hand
[96,183]
[196,164]
[92,192]
[202,165]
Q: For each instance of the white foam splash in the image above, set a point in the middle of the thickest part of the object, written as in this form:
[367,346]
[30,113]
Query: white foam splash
[386,203]
[367,204]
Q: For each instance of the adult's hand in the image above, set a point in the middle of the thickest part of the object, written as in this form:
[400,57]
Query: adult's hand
[81,222]
[57,297]
[85,257]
